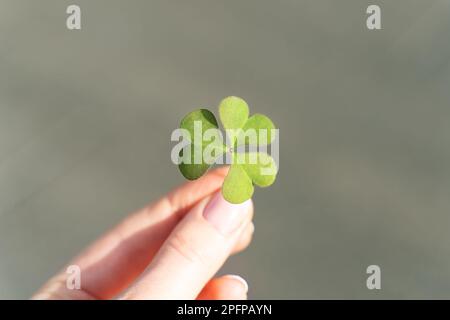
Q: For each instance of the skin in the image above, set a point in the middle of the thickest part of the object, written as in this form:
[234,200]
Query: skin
[166,250]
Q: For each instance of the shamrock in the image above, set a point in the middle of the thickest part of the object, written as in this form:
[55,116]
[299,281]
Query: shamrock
[249,167]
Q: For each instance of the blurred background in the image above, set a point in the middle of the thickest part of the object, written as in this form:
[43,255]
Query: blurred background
[364,118]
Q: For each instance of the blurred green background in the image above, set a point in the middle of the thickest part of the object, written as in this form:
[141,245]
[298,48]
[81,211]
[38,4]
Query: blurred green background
[364,118]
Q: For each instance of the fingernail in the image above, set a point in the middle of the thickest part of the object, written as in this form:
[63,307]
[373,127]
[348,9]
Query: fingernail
[224,216]
[241,280]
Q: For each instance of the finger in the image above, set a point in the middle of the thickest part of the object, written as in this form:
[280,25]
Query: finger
[111,263]
[194,251]
[229,287]
[244,239]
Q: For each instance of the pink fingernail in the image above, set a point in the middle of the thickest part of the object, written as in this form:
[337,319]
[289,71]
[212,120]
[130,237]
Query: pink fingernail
[224,216]
[239,279]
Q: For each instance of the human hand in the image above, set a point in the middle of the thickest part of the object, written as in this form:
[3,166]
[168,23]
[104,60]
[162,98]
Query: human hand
[168,250]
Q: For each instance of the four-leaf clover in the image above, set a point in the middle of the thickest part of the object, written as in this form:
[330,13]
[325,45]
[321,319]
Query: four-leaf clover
[248,168]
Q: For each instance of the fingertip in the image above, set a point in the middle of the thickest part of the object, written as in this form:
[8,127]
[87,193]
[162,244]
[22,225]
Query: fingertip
[222,170]
[224,216]
[228,287]
[241,283]
[245,238]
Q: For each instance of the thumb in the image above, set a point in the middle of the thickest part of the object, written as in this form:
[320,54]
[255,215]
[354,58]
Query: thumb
[194,251]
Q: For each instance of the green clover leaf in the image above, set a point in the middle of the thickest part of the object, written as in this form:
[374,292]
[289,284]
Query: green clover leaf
[193,170]
[248,168]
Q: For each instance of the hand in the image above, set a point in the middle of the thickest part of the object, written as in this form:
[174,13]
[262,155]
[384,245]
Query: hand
[168,250]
